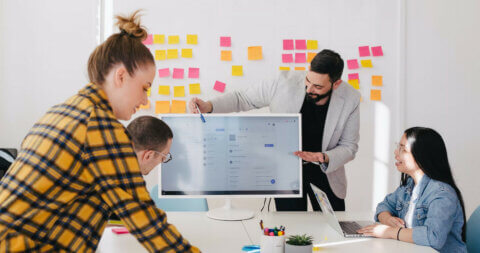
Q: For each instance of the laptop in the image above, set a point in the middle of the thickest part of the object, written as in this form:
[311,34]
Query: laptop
[346,228]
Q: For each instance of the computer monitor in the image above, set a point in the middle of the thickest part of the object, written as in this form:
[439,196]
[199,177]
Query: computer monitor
[233,155]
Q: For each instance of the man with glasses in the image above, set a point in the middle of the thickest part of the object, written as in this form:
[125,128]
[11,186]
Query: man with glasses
[330,123]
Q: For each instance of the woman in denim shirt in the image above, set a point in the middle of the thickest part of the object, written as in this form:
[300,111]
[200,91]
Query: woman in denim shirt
[427,209]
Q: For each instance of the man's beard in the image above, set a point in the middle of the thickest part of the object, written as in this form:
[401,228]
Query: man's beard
[318,97]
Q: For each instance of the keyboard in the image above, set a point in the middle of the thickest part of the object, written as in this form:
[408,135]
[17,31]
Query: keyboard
[350,227]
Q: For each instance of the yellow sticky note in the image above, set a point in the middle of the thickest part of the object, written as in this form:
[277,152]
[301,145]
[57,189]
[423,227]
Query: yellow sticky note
[179,106]
[354,83]
[284,68]
[226,55]
[366,63]
[179,91]
[194,88]
[187,53]
[173,39]
[162,107]
[160,55]
[310,57]
[299,68]
[192,39]
[172,53]
[375,95]
[377,80]
[164,90]
[158,39]
[312,44]
[255,53]
[145,106]
[237,70]
[149,91]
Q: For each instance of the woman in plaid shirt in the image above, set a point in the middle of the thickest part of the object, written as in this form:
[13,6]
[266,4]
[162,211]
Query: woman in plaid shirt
[77,166]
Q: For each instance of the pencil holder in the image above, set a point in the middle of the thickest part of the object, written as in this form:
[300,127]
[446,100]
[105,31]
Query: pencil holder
[272,244]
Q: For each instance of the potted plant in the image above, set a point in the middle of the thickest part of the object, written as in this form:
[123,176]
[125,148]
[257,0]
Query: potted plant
[299,244]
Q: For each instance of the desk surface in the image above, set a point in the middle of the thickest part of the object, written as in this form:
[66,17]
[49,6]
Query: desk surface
[213,236]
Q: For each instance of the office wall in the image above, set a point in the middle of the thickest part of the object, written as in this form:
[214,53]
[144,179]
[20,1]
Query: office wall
[442,84]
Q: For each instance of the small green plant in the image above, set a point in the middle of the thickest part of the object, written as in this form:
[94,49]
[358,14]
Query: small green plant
[300,240]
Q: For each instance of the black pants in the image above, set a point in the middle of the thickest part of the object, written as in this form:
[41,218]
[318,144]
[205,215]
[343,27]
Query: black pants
[311,174]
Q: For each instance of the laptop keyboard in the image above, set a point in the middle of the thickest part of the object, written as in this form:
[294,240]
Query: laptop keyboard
[350,227]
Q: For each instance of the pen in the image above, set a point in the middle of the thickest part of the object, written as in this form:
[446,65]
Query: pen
[201,115]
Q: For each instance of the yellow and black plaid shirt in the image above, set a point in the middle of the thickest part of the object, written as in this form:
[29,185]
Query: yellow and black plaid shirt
[77,166]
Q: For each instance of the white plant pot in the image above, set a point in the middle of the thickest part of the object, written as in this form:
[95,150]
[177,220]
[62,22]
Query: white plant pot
[298,249]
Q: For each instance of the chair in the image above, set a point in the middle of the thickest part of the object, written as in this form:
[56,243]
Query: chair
[473,231]
[178,204]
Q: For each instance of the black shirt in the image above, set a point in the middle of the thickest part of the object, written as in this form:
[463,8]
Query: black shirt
[313,123]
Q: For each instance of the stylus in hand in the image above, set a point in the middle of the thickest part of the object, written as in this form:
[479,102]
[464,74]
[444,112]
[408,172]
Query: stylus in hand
[201,115]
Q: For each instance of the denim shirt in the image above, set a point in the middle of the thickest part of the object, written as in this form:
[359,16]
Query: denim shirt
[438,216]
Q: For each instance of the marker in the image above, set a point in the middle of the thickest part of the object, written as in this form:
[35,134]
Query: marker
[201,115]
[120,231]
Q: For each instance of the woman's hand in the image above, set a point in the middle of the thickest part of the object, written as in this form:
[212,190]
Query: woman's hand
[379,231]
[389,220]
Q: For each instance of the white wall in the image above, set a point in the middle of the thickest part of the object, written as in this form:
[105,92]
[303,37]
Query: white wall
[442,82]
[45,46]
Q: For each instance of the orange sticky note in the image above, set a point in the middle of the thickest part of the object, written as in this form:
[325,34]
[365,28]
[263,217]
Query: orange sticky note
[255,53]
[312,44]
[172,53]
[354,83]
[187,53]
[284,68]
[299,68]
[194,88]
[158,39]
[173,39]
[310,56]
[160,55]
[375,95]
[164,90]
[179,91]
[226,55]
[377,80]
[145,106]
[192,39]
[237,70]
[162,107]
[179,106]
[366,63]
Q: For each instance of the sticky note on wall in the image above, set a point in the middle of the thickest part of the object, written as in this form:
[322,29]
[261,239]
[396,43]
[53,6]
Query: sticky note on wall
[354,83]
[173,39]
[366,63]
[226,55]
[225,41]
[375,95]
[310,56]
[149,91]
[164,90]
[377,80]
[193,72]
[158,39]
[179,106]
[287,58]
[284,68]
[299,68]
[287,44]
[377,51]
[162,107]
[179,91]
[178,73]
[300,44]
[300,58]
[148,40]
[364,51]
[219,86]
[172,53]
[255,53]
[312,44]
[164,72]
[194,88]
[353,76]
[237,70]
[187,53]
[160,55]
[192,39]
[352,64]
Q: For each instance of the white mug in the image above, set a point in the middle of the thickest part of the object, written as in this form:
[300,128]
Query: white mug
[272,244]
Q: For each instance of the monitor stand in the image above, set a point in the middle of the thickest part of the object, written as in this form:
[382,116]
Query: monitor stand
[228,212]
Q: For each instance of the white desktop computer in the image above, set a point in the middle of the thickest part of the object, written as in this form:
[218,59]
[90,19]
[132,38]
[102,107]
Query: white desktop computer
[232,156]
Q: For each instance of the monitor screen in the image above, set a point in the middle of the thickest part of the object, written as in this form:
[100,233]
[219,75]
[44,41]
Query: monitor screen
[233,154]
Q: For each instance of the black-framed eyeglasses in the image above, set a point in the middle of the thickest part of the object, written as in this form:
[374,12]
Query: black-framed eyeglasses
[166,158]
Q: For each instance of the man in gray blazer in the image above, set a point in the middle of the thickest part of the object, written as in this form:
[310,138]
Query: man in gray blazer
[330,123]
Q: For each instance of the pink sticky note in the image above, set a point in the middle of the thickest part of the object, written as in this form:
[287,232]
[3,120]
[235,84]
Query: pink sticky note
[300,58]
[219,86]
[177,73]
[148,40]
[353,76]
[301,44]
[193,72]
[287,58]
[164,72]
[364,51]
[377,51]
[225,41]
[287,44]
[352,64]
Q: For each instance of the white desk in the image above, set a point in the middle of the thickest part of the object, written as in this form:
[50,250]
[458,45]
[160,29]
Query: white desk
[213,236]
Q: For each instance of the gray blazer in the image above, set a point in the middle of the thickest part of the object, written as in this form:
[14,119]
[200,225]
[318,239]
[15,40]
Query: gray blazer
[285,94]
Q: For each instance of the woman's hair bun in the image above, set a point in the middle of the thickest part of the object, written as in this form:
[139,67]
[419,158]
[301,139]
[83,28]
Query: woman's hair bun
[130,25]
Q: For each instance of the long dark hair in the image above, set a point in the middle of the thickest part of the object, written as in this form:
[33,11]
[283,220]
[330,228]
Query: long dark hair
[429,151]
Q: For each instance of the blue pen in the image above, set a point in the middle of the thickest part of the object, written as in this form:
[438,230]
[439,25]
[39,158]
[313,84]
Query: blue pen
[201,115]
